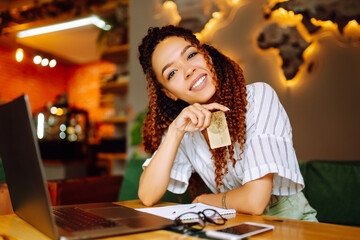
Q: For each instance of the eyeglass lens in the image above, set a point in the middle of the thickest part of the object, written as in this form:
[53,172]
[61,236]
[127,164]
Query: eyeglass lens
[213,216]
[192,221]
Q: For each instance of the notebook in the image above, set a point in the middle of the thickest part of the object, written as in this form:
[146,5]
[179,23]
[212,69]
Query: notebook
[171,212]
[26,181]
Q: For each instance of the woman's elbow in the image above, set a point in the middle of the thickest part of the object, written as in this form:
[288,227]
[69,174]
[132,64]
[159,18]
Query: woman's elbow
[147,202]
[256,211]
[147,199]
[256,208]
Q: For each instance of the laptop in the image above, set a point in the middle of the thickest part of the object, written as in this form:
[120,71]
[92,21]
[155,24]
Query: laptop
[26,181]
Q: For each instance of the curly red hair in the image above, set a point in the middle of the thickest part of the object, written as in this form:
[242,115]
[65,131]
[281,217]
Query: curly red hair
[230,92]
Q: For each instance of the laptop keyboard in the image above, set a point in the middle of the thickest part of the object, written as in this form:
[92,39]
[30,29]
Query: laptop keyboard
[75,219]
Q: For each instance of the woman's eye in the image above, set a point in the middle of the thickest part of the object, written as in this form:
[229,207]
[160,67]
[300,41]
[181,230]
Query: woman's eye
[192,55]
[171,74]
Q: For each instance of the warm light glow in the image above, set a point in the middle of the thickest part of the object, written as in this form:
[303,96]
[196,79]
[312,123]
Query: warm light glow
[37,59]
[63,26]
[169,11]
[72,138]
[352,32]
[52,63]
[169,4]
[284,18]
[351,35]
[325,24]
[19,55]
[62,135]
[40,125]
[216,15]
[220,19]
[233,2]
[44,62]
[62,127]
[53,110]
[59,112]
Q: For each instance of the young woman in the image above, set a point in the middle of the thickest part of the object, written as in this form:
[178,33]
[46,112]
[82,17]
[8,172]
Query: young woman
[187,81]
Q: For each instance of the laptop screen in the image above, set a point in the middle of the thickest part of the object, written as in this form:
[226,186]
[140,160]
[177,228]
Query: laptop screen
[24,172]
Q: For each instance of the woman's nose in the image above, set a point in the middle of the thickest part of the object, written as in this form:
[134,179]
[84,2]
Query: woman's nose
[189,72]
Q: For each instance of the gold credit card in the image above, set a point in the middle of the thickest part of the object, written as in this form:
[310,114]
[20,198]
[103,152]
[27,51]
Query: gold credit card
[218,131]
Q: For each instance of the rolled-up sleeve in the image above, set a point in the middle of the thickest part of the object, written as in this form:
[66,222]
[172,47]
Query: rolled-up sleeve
[180,172]
[269,147]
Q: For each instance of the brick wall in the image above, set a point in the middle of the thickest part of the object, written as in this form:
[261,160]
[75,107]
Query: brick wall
[44,84]
[84,93]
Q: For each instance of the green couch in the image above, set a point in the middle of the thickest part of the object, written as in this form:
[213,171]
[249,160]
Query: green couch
[130,185]
[2,174]
[332,188]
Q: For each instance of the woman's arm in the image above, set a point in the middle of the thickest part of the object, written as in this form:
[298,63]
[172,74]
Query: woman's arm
[155,178]
[252,198]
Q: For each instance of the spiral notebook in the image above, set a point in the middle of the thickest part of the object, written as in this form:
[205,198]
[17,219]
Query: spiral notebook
[173,211]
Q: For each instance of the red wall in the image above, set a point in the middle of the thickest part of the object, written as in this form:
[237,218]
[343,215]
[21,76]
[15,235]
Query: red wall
[84,93]
[84,87]
[44,84]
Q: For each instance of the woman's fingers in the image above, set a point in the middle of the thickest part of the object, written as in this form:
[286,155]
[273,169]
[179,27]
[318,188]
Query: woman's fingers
[197,116]
[214,106]
[203,115]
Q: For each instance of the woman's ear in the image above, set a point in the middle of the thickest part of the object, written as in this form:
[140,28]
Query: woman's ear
[169,94]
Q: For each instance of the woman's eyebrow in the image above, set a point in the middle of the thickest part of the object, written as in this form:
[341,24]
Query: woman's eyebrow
[170,63]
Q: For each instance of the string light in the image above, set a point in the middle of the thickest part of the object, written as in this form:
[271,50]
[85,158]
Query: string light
[37,59]
[52,63]
[95,20]
[19,55]
[44,62]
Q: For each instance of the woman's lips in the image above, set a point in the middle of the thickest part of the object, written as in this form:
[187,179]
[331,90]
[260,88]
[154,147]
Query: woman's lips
[198,82]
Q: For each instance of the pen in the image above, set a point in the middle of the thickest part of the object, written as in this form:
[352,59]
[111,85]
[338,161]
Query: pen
[183,209]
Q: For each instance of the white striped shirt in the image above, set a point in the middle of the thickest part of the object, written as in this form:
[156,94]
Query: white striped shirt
[268,149]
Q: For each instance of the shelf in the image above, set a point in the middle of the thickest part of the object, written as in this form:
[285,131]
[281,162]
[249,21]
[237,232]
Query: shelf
[120,87]
[114,162]
[121,119]
[111,156]
[116,54]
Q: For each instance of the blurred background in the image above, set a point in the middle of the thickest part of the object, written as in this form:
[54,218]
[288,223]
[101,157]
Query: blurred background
[88,93]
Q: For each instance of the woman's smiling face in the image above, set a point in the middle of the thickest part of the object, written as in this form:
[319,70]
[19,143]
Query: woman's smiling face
[182,71]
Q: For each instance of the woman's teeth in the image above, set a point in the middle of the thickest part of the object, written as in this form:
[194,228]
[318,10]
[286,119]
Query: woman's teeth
[198,82]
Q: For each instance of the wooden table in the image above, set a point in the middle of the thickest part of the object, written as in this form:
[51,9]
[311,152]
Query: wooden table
[16,229]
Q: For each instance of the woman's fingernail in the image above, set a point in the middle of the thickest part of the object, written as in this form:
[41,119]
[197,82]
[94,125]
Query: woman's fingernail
[201,129]
[227,108]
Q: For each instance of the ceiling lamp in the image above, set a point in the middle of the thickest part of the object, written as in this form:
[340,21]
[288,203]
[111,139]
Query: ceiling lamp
[94,20]
[52,63]
[37,59]
[44,62]
[19,55]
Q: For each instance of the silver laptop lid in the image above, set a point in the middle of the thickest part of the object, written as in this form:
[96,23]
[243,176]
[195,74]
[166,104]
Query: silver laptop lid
[24,172]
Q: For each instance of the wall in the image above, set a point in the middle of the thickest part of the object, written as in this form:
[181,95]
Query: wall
[142,16]
[322,105]
[84,92]
[84,87]
[42,84]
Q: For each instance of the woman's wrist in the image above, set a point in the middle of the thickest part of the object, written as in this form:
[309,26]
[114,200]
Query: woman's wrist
[172,130]
[223,200]
[197,199]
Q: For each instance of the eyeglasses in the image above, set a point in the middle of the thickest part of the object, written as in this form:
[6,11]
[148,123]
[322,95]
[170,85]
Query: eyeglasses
[195,221]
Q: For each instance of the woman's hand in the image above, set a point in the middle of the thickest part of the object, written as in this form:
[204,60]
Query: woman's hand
[196,117]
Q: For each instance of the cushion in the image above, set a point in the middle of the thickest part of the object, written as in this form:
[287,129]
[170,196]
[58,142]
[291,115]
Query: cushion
[130,185]
[2,173]
[333,189]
